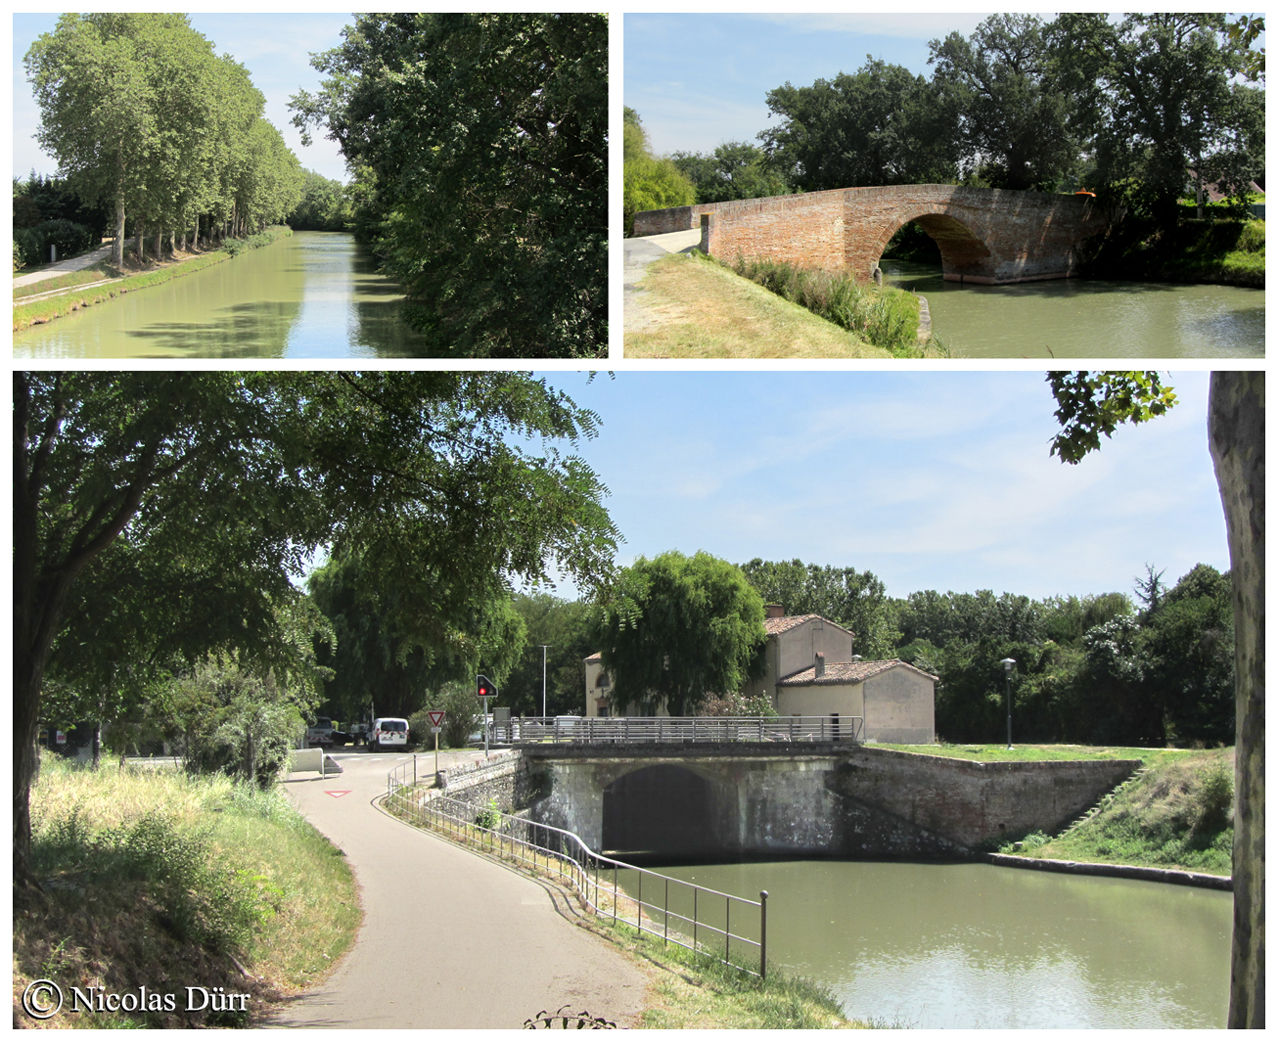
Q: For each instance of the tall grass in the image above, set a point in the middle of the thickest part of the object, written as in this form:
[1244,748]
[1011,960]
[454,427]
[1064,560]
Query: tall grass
[150,877]
[887,318]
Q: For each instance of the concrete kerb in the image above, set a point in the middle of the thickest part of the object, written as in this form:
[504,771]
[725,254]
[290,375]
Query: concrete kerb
[1137,873]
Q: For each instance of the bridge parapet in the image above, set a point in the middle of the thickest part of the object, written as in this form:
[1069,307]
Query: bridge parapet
[612,732]
[984,235]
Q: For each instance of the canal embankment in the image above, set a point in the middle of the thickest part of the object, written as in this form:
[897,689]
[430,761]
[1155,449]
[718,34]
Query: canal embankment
[1197,250]
[103,282]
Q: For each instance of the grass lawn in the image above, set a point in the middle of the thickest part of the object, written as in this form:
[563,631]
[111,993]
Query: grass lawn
[696,310]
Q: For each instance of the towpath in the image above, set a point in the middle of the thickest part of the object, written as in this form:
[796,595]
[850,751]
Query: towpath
[71,264]
[449,940]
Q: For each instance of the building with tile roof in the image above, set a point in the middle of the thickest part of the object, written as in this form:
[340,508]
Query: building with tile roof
[810,669]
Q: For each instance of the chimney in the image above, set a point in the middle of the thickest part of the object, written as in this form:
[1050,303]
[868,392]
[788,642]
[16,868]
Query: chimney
[819,665]
[772,611]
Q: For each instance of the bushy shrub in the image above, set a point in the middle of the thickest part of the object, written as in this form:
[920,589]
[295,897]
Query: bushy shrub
[67,236]
[885,318]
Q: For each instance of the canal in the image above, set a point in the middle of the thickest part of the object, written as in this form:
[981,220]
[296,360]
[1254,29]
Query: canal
[1078,318]
[966,945]
[310,295]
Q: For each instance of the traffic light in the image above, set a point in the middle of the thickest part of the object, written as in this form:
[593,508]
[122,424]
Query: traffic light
[484,687]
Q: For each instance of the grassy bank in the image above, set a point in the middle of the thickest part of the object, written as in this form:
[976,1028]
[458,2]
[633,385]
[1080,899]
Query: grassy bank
[693,308]
[1175,816]
[50,308]
[1197,251]
[152,879]
[884,317]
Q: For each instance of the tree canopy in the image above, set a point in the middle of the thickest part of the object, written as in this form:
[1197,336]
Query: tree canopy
[678,630]
[142,115]
[478,143]
[219,486]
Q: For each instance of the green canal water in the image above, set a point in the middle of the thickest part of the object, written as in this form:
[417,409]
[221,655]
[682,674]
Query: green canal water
[972,946]
[1077,318]
[310,295]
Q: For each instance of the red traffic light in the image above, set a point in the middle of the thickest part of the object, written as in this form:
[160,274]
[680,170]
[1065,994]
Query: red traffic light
[484,687]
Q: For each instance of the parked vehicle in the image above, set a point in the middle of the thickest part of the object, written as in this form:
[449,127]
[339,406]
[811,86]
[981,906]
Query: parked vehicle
[388,732]
[322,733]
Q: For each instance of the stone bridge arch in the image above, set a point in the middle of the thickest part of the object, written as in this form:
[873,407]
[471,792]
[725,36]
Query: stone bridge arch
[663,809]
[985,235]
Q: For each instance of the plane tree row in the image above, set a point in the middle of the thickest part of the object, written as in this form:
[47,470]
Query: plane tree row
[143,116]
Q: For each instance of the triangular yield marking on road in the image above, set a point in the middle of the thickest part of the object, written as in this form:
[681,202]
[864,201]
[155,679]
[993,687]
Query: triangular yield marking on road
[337,793]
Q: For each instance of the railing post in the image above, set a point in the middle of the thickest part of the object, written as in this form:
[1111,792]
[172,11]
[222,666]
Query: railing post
[764,906]
[666,908]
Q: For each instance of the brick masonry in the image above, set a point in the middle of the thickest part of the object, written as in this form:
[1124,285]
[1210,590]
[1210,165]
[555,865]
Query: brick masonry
[984,235]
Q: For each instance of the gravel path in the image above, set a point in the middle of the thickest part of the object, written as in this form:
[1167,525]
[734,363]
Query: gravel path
[71,264]
[638,254]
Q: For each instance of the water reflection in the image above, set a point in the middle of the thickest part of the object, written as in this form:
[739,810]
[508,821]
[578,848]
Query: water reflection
[1064,318]
[311,295]
[973,946]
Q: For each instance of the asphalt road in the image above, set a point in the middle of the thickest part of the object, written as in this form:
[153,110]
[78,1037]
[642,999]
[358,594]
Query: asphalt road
[449,939]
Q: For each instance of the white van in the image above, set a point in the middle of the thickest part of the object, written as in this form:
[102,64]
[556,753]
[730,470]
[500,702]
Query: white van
[388,732]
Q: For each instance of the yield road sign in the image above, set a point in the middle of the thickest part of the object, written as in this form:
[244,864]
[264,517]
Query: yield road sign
[437,718]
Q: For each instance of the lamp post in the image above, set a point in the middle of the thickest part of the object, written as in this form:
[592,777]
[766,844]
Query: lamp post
[544,680]
[1008,663]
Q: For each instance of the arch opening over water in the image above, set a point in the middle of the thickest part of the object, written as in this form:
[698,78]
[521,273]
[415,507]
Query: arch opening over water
[659,810]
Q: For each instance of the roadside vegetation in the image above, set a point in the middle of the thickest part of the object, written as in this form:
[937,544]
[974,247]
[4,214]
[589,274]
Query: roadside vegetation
[694,308]
[153,877]
[885,317]
[126,279]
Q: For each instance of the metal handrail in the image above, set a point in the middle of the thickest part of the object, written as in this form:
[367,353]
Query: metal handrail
[792,728]
[564,854]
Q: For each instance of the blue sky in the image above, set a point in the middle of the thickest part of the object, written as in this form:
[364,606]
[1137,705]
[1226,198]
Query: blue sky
[698,80]
[275,48]
[928,479]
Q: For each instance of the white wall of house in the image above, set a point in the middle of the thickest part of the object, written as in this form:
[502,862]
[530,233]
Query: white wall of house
[899,706]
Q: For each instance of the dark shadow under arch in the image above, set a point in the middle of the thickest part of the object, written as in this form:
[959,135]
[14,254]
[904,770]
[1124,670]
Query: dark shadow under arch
[659,810]
[961,250]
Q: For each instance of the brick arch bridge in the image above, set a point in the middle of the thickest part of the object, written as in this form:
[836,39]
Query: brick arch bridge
[984,235]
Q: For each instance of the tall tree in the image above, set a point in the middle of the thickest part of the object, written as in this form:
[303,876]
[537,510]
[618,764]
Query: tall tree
[1159,96]
[678,630]
[1013,117]
[879,126]
[843,595]
[440,480]
[485,138]
[1090,404]
[649,182]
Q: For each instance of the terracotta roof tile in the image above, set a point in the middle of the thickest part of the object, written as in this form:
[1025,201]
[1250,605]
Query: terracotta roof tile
[844,673]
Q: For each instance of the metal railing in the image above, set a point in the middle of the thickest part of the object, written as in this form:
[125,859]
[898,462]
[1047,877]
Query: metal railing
[728,927]
[796,728]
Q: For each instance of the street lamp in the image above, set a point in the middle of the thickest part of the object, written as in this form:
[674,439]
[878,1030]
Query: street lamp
[1009,663]
[544,680]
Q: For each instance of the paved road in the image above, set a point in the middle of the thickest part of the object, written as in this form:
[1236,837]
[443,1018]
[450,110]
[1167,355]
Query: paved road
[71,264]
[449,939]
[638,253]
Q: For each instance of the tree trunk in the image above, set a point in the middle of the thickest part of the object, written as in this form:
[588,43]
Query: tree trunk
[117,244]
[138,248]
[1237,401]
